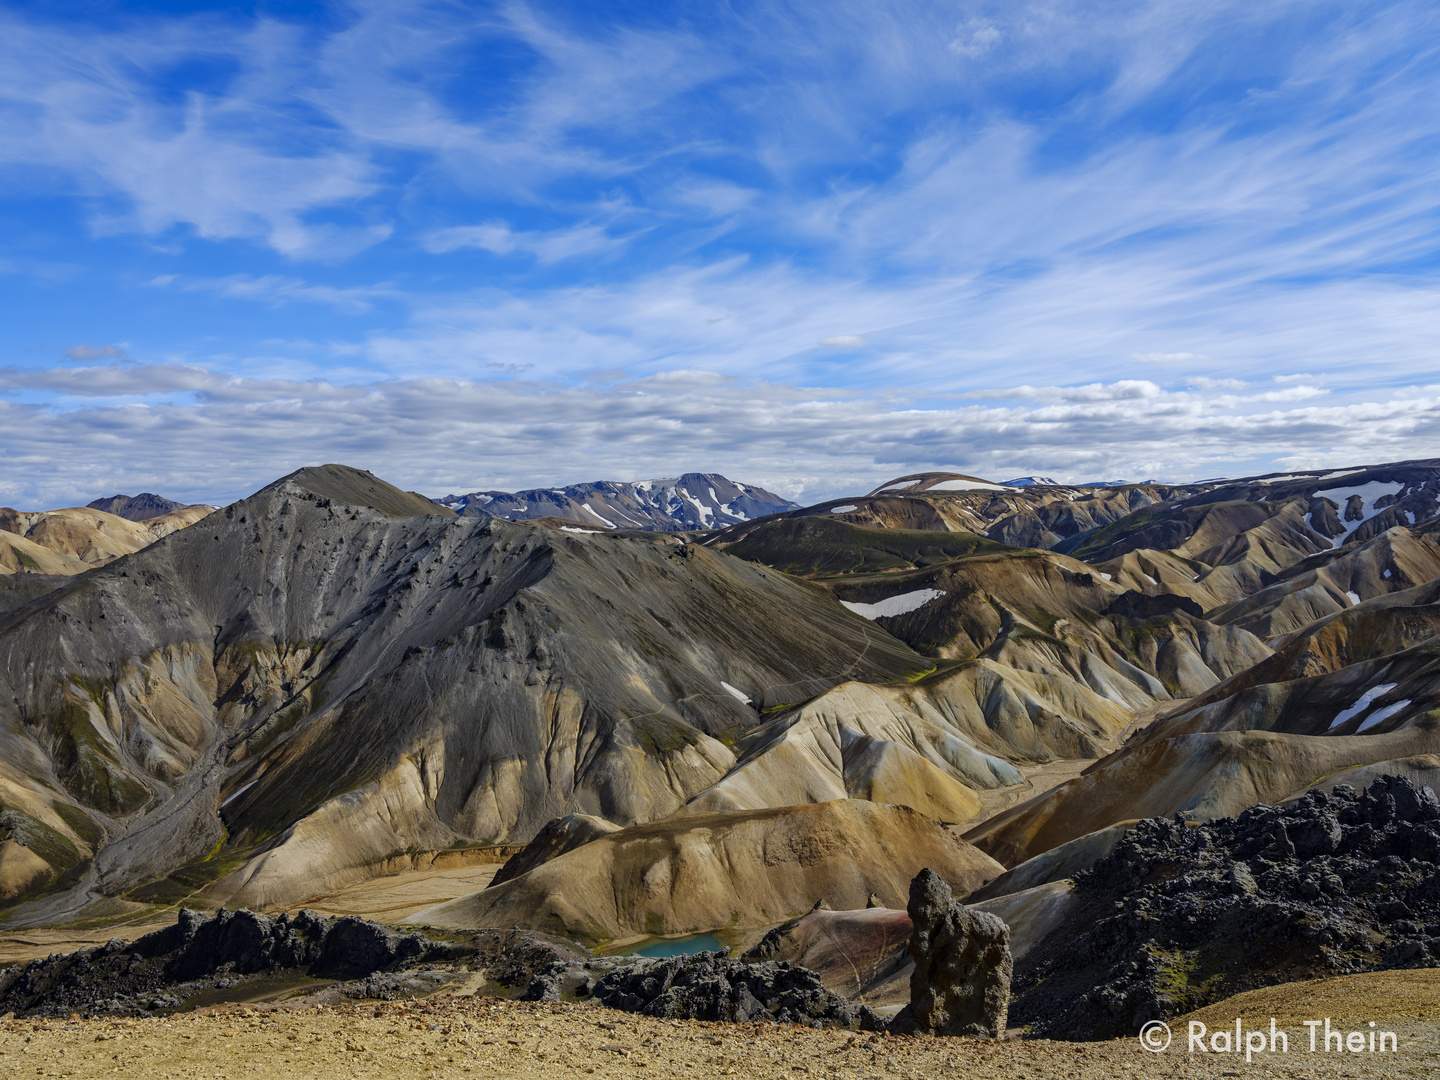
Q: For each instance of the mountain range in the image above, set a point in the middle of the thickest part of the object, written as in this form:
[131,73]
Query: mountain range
[334,678]
[692,501]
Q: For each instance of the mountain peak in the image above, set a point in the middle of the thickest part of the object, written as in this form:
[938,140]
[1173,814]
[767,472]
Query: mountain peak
[670,504]
[1031,481]
[140,507]
[357,487]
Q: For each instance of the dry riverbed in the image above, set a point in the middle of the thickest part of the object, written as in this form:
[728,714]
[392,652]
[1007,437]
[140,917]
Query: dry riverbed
[482,1037]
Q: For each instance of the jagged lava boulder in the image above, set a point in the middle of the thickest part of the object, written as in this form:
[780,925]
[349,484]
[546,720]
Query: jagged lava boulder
[961,982]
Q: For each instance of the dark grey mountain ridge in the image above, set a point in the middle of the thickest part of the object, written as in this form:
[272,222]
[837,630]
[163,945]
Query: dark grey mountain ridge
[335,651]
[140,507]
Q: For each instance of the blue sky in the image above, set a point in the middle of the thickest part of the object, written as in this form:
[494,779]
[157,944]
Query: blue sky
[812,246]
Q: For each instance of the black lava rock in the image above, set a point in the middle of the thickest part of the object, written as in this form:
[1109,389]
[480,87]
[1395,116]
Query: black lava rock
[1180,914]
[159,970]
[712,986]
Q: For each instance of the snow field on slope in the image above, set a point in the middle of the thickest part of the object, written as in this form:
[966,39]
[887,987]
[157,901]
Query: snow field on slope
[1370,494]
[966,485]
[736,691]
[1363,704]
[1382,714]
[591,511]
[894,605]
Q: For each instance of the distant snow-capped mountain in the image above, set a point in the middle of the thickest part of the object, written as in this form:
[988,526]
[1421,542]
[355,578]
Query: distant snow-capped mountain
[691,501]
[1031,481]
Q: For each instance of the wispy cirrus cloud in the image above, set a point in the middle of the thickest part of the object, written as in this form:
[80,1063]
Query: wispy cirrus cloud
[280,289]
[1122,210]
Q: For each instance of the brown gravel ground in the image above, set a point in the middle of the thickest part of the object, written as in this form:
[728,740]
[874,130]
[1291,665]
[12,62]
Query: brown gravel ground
[482,1037]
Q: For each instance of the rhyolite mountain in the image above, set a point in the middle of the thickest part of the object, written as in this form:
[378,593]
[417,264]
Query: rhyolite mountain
[333,671]
[688,502]
[72,540]
[332,677]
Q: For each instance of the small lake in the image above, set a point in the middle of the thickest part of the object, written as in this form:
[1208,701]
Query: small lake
[683,946]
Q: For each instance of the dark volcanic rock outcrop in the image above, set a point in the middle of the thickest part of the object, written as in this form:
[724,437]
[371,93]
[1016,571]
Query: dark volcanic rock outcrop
[704,986]
[961,981]
[160,969]
[1184,914]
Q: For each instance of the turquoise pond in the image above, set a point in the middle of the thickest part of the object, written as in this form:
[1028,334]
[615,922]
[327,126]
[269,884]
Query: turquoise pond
[680,946]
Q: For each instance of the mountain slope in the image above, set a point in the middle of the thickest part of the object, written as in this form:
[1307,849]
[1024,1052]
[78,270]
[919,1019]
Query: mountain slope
[72,540]
[334,670]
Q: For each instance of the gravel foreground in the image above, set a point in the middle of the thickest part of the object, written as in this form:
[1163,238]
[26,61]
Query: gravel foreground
[484,1037]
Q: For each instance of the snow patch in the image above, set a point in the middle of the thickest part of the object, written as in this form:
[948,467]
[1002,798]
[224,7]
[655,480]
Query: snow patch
[1370,494]
[1386,573]
[703,512]
[965,485]
[894,605]
[237,794]
[1382,714]
[1354,597]
[735,690]
[1337,475]
[591,511]
[587,532]
[843,509]
[1363,704]
[1108,577]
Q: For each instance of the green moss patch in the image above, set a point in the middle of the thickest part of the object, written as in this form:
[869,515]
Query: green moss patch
[87,768]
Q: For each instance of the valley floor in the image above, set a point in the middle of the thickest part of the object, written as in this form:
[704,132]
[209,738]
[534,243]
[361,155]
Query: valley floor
[481,1037]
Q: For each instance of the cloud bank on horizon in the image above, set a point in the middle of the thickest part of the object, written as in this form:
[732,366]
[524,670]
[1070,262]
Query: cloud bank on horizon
[810,245]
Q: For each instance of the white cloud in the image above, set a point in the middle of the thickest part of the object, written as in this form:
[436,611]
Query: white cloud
[440,435]
[1203,383]
[845,341]
[545,247]
[974,38]
[95,352]
[112,380]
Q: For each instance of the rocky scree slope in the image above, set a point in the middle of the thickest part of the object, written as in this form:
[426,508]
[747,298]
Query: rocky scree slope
[1182,914]
[333,671]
